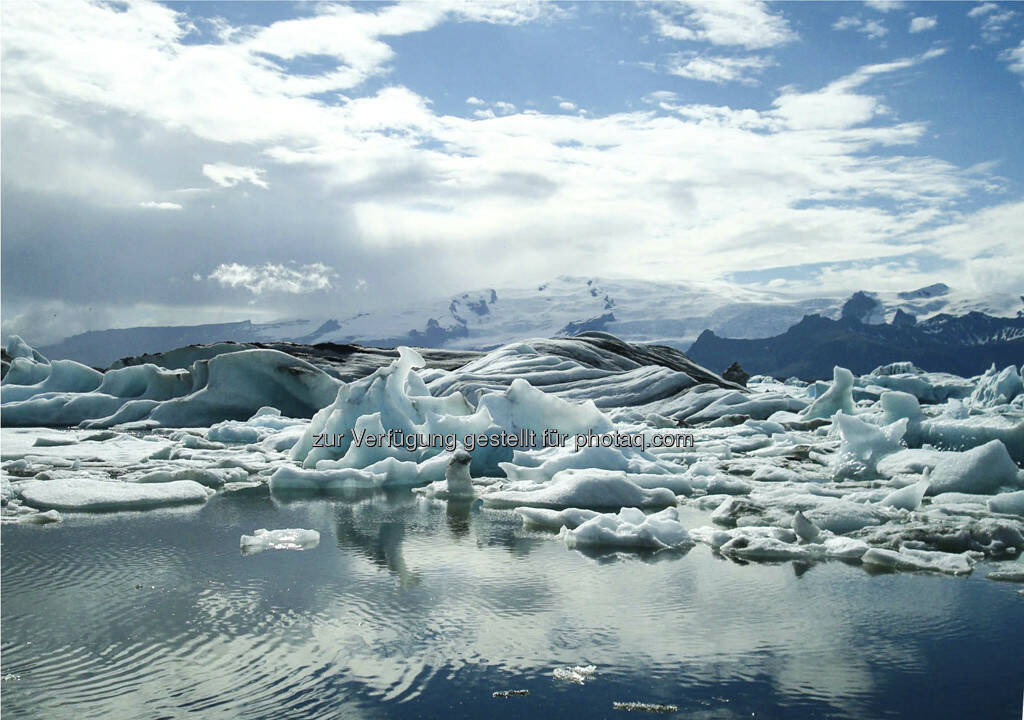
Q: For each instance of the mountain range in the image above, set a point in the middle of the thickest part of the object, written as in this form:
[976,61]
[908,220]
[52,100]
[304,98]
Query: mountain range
[674,314]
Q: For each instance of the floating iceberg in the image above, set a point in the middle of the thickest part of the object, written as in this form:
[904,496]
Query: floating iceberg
[838,398]
[912,559]
[230,386]
[96,495]
[983,469]
[630,528]
[288,539]
[581,489]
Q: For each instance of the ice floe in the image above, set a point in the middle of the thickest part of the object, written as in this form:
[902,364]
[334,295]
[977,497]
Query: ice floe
[96,495]
[285,539]
[630,528]
[900,469]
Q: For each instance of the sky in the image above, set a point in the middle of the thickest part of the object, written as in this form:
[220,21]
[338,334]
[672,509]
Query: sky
[194,162]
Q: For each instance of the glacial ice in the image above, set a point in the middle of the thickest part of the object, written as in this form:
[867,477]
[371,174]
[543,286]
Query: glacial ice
[554,519]
[630,528]
[863,445]
[286,539]
[914,559]
[288,478]
[907,498]
[997,388]
[909,469]
[983,469]
[589,488]
[229,386]
[83,495]
[577,674]
[1011,503]
[838,398]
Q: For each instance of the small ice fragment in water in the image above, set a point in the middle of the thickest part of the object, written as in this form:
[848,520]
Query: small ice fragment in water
[42,518]
[578,674]
[286,539]
[457,475]
[645,707]
[804,528]
[509,693]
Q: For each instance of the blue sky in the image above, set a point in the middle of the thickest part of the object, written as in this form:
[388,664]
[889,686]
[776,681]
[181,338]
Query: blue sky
[205,162]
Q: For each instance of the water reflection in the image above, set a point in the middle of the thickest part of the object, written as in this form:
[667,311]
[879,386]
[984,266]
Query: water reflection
[417,602]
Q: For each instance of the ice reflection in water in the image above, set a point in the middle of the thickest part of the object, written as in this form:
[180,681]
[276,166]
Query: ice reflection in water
[409,609]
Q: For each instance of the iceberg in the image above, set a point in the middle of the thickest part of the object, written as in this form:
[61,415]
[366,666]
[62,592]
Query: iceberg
[913,559]
[630,528]
[287,539]
[983,469]
[838,397]
[81,495]
[581,489]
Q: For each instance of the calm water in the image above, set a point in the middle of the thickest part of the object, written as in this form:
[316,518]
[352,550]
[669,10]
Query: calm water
[409,610]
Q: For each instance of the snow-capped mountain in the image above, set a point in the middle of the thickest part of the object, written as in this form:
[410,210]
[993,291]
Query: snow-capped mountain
[672,314]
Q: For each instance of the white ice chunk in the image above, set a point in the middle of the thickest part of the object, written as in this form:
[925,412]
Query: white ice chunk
[983,469]
[764,547]
[286,539]
[630,528]
[266,422]
[1011,503]
[72,494]
[898,405]
[804,528]
[997,388]
[771,473]
[863,445]
[958,498]
[577,674]
[841,517]
[292,479]
[554,519]
[911,559]
[457,475]
[908,498]
[211,477]
[838,398]
[723,484]
[583,489]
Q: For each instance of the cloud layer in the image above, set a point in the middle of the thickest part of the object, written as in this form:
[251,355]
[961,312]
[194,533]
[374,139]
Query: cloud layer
[287,159]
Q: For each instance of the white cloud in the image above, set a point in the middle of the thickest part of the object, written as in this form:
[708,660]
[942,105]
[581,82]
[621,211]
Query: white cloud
[748,23]
[837,105]
[228,175]
[994,19]
[1015,58]
[872,28]
[153,205]
[920,24]
[274,278]
[691,190]
[720,69]
[885,5]
[567,106]
[982,9]
[473,100]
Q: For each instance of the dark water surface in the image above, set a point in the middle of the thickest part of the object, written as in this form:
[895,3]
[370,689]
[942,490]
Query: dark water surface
[407,609]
